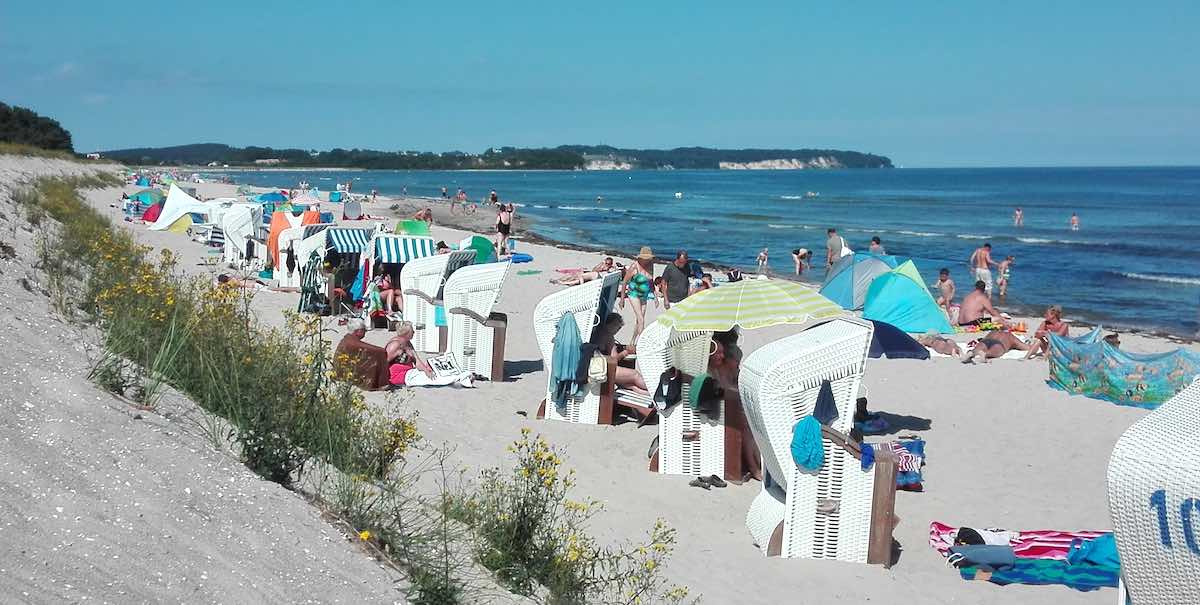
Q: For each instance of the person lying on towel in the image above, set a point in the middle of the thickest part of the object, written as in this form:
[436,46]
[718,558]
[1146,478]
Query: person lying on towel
[406,368]
[995,344]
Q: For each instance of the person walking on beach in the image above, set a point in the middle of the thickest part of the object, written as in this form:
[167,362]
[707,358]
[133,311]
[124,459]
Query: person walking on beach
[676,284]
[833,248]
[762,262]
[404,191]
[1018,217]
[1074,222]
[445,194]
[637,286]
[504,227]
[1005,271]
[946,289]
[876,246]
[981,262]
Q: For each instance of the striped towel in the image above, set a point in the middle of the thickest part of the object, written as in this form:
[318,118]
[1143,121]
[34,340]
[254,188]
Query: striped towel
[1035,544]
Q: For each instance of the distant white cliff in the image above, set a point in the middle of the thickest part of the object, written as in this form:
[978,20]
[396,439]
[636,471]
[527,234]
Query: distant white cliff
[819,162]
[607,165]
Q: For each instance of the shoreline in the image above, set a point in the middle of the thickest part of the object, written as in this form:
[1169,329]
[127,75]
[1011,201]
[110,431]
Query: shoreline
[481,222]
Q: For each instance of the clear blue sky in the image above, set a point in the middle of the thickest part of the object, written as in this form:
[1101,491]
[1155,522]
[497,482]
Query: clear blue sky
[926,83]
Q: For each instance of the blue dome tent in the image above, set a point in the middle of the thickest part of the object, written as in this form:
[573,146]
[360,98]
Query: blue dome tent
[849,279]
[901,298]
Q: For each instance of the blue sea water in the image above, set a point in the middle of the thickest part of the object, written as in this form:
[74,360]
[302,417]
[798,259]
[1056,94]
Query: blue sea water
[1132,263]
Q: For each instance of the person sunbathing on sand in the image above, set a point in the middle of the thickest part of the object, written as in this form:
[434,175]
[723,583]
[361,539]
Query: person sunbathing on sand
[995,344]
[940,344]
[228,280]
[605,266]
[1052,323]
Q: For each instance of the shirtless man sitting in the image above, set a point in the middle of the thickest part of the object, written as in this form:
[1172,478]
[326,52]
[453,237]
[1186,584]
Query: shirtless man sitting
[994,345]
[976,308]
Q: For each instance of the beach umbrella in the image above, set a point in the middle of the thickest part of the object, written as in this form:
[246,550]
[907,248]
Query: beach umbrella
[749,304]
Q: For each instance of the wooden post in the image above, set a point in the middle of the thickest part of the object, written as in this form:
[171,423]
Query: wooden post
[883,508]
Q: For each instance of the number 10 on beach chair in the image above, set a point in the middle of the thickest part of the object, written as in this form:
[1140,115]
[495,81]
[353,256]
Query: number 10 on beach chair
[825,505]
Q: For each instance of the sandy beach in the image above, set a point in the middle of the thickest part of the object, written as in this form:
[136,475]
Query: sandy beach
[1004,450]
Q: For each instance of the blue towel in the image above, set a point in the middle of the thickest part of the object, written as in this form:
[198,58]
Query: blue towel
[1101,551]
[565,359]
[1050,571]
[825,410]
[806,444]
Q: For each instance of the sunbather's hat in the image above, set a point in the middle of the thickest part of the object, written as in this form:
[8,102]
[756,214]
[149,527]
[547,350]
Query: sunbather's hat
[646,253]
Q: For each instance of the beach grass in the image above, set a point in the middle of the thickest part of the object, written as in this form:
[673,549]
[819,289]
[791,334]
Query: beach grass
[37,152]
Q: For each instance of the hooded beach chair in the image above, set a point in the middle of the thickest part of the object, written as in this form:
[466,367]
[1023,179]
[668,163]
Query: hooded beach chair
[827,513]
[689,443]
[475,332]
[1154,501]
[587,303]
[421,282]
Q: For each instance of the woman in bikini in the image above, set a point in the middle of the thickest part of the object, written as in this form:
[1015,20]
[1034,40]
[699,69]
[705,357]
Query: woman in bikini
[1052,323]
[637,285]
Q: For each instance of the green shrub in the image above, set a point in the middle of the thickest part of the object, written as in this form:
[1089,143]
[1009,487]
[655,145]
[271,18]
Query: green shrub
[531,534]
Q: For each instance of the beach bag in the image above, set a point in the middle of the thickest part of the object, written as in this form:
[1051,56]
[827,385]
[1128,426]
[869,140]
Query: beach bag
[598,368]
[846,251]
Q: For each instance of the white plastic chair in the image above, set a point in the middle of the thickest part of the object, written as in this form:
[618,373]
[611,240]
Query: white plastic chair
[689,443]
[583,302]
[476,334]
[1154,501]
[421,282]
[779,385]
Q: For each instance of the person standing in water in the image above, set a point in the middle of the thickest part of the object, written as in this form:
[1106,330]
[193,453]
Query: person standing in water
[762,262]
[1018,217]
[1074,222]
[1005,271]
[876,246]
[981,263]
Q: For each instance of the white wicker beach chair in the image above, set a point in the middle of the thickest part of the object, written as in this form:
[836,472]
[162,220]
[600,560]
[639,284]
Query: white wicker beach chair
[1154,501]
[779,385]
[421,282]
[582,301]
[476,334]
[689,443]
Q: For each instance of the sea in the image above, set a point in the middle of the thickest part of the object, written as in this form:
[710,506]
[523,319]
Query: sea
[1133,263]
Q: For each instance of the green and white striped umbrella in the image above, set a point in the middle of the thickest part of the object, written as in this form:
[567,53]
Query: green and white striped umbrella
[749,304]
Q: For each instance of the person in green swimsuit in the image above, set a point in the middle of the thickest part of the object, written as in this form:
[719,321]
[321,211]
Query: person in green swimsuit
[637,286]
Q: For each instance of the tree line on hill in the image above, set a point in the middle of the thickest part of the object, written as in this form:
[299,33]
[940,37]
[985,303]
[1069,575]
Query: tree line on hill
[564,157]
[22,126]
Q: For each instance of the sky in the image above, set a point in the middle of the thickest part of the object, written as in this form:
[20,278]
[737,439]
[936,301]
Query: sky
[929,84]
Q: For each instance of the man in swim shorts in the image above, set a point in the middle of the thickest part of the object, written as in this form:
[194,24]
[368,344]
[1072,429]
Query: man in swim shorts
[981,262]
[1005,271]
[977,307]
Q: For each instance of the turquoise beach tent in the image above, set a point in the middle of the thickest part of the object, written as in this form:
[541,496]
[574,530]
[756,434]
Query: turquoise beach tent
[900,297]
[270,196]
[148,197]
[336,196]
[848,281]
[143,182]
